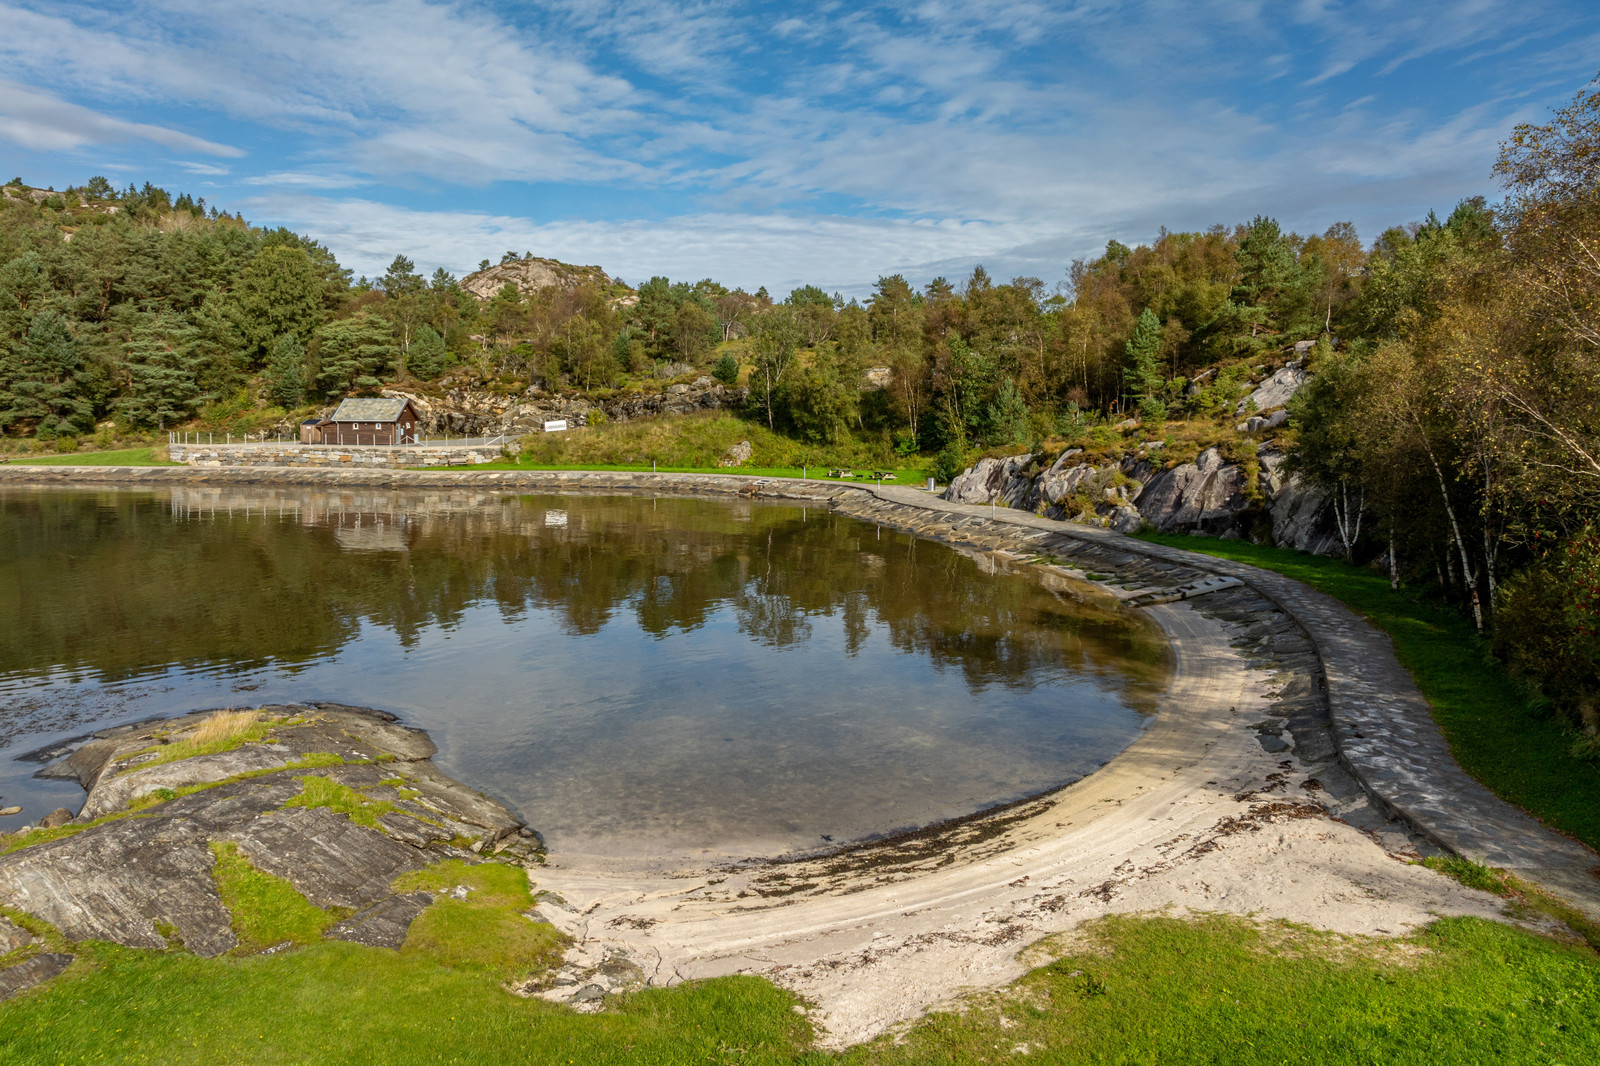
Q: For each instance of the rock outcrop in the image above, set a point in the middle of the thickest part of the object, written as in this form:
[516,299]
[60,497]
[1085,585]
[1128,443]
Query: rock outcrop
[136,864]
[1210,496]
[531,275]
[474,412]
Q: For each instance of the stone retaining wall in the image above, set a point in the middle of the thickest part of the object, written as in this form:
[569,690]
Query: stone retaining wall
[281,455]
[1382,725]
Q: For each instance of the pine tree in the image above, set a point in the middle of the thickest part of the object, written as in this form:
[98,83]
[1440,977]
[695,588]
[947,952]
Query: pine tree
[351,353]
[428,356]
[163,367]
[42,379]
[1144,367]
[285,375]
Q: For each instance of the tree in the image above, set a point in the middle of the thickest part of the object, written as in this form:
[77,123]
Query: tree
[1007,416]
[162,369]
[428,354]
[351,352]
[403,289]
[778,334]
[727,369]
[822,399]
[280,292]
[42,379]
[1145,377]
[284,377]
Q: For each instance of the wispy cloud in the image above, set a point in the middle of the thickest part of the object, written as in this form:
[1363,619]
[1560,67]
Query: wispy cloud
[941,131]
[41,121]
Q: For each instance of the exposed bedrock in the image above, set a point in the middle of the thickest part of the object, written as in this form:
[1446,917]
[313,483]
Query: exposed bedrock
[1210,495]
[136,865]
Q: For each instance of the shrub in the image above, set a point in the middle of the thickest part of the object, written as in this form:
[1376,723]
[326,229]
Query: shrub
[1548,629]
[727,369]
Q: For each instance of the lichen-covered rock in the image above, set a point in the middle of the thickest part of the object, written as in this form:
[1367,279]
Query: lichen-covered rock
[146,869]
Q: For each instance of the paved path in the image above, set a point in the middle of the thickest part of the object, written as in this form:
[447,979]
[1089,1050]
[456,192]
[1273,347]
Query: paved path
[1382,724]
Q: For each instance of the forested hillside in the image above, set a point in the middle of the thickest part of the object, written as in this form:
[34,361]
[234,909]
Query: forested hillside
[1453,409]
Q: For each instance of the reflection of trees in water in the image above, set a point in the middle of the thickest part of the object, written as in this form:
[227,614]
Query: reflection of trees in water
[121,582]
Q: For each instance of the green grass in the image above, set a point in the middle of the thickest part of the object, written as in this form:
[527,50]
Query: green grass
[341,799]
[488,930]
[1219,990]
[266,910]
[1495,730]
[124,457]
[1133,990]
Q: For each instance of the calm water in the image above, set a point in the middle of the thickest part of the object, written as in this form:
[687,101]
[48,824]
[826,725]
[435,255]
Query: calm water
[637,677]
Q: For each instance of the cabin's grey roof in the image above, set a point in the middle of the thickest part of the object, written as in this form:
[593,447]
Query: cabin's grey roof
[369,410]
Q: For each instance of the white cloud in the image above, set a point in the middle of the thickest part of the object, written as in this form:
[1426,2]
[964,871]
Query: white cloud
[40,121]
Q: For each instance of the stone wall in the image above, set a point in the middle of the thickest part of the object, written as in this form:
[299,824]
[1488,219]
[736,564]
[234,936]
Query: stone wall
[332,455]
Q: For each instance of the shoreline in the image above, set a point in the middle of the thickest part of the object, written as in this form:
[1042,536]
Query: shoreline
[1248,738]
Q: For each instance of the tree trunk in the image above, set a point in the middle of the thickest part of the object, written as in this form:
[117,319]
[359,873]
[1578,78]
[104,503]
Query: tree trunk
[1467,576]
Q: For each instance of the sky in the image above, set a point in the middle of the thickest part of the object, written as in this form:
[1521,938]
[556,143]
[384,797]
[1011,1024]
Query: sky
[784,144]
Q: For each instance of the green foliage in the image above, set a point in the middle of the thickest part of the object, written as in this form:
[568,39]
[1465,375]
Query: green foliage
[1006,417]
[42,379]
[1548,628]
[265,910]
[163,368]
[351,353]
[726,369]
[950,462]
[279,293]
[428,357]
[1145,372]
[284,377]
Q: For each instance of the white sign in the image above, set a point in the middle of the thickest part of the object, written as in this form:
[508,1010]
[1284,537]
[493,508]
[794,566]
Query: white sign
[555,427]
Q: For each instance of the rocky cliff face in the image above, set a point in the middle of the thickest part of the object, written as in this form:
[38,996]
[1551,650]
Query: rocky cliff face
[473,412]
[1209,496]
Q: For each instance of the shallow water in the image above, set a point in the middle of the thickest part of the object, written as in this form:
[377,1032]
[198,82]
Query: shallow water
[637,677]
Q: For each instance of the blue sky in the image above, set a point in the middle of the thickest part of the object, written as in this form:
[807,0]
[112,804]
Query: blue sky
[781,144]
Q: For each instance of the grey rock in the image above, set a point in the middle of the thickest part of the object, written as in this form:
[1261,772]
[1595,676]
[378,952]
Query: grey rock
[589,994]
[1272,744]
[6,812]
[31,972]
[385,923]
[993,481]
[56,818]
[1205,496]
[12,936]
[1302,514]
[1276,391]
[121,879]
[738,454]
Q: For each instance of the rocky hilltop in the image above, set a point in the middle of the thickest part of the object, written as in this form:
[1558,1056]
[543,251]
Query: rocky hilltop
[532,274]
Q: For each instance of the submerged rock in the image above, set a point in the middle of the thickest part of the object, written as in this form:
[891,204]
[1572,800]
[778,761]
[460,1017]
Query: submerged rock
[136,866]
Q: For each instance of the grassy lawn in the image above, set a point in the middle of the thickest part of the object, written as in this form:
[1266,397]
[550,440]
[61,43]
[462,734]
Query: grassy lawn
[1494,730]
[1134,990]
[125,457]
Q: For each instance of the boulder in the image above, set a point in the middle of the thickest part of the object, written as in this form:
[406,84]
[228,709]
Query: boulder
[993,481]
[1205,496]
[738,454]
[1276,391]
[1302,513]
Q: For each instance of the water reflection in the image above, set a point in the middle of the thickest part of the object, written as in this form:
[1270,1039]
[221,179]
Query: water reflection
[635,675]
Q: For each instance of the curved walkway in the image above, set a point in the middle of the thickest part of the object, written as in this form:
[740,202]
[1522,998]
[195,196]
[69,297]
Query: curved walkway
[1382,725]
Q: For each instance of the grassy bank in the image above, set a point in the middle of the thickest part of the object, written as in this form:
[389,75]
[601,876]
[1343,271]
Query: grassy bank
[151,456]
[1495,731]
[699,442]
[1133,990]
